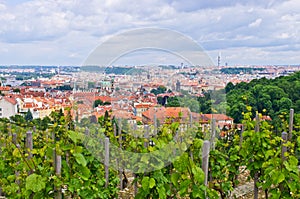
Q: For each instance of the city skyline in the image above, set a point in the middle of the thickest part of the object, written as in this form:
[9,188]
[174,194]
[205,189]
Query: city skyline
[65,33]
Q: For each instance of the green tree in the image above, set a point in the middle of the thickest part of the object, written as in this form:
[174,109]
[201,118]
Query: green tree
[98,102]
[16,90]
[229,87]
[159,90]
[173,102]
[28,116]
[91,85]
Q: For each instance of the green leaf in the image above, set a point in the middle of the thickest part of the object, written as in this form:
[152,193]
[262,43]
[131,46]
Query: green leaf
[145,183]
[35,183]
[86,173]
[80,159]
[16,153]
[279,177]
[198,143]
[145,158]
[174,178]
[151,183]
[184,187]
[183,146]
[198,174]
[161,192]
[198,193]
[73,136]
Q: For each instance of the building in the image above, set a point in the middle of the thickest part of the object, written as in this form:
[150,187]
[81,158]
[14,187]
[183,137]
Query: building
[8,107]
[4,90]
[222,120]
[166,115]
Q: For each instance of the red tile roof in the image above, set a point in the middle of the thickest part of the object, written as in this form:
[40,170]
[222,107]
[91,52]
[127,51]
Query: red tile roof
[11,100]
[217,117]
[162,113]
[5,88]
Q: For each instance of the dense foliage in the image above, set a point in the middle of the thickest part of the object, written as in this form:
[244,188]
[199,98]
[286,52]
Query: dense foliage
[273,97]
[23,176]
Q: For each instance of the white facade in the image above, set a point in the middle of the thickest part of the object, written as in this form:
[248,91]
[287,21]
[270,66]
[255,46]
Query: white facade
[8,107]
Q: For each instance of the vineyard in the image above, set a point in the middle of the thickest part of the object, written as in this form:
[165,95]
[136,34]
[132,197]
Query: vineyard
[59,160]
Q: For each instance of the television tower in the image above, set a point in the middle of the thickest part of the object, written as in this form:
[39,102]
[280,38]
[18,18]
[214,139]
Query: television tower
[219,59]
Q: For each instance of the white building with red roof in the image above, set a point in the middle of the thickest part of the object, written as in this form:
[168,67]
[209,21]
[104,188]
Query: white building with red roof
[8,107]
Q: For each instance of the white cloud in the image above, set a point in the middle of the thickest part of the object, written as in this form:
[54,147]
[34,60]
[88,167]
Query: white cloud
[255,23]
[71,29]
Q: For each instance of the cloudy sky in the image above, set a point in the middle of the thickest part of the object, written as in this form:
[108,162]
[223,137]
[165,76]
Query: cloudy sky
[65,32]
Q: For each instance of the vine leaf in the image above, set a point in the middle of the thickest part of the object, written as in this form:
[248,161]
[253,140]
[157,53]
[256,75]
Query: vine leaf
[35,183]
[80,159]
[151,183]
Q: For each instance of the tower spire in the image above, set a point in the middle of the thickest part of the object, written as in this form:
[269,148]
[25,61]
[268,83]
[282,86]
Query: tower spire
[219,59]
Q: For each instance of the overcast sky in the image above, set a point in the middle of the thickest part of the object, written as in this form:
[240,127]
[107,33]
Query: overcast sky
[65,32]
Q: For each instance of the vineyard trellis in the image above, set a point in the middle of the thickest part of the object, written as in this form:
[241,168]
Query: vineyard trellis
[54,163]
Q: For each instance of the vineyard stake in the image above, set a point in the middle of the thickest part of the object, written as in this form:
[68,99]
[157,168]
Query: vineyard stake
[120,146]
[213,133]
[57,166]
[290,136]
[284,137]
[205,158]
[106,161]
[256,174]
[146,136]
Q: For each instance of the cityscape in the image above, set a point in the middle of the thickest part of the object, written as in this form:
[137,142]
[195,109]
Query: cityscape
[152,99]
[127,91]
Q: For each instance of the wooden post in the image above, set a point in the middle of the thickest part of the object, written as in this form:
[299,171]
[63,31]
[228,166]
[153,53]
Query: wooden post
[57,166]
[9,130]
[284,149]
[29,143]
[256,174]
[155,124]
[134,175]
[290,136]
[117,162]
[106,161]
[120,131]
[120,146]
[205,158]
[146,136]
[284,137]
[14,140]
[241,136]
[213,133]
[135,128]
[87,132]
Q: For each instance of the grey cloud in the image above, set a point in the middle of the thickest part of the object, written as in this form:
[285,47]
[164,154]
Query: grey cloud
[213,24]
[192,5]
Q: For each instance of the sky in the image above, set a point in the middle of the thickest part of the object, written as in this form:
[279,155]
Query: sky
[66,32]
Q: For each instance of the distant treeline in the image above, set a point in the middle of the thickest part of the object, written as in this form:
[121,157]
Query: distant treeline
[124,70]
[113,70]
[240,70]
